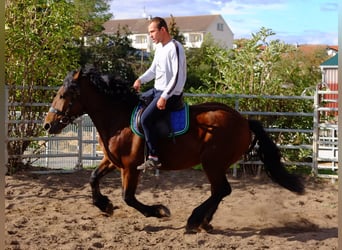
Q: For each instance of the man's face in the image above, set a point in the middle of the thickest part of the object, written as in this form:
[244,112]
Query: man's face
[155,33]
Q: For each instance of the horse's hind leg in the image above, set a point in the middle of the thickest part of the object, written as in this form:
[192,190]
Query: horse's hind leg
[99,200]
[203,214]
[129,185]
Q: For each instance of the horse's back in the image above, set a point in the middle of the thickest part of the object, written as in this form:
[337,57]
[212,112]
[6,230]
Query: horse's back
[216,114]
[222,128]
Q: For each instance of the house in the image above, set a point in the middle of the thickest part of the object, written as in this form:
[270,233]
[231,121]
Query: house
[329,70]
[193,28]
[332,50]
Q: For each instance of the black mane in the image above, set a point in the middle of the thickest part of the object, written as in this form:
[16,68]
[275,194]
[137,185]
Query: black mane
[111,86]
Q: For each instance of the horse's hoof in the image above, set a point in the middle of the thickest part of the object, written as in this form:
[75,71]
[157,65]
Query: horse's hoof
[105,205]
[207,227]
[109,209]
[160,211]
[192,230]
[196,229]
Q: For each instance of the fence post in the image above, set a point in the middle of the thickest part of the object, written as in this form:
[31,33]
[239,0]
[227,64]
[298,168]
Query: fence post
[237,109]
[315,135]
[6,128]
[79,122]
[94,144]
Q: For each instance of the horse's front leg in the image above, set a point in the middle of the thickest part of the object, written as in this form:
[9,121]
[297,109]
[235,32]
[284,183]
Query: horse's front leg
[99,200]
[130,178]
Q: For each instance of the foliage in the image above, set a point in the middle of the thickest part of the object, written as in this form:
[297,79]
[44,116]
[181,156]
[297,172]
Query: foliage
[90,15]
[174,31]
[257,66]
[260,66]
[39,47]
[113,54]
[42,44]
[249,69]
[38,35]
[202,71]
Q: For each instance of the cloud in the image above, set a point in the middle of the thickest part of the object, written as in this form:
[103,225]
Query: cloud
[329,6]
[130,9]
[290,19]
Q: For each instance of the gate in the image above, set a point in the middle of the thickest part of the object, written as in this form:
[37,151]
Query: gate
[325,135]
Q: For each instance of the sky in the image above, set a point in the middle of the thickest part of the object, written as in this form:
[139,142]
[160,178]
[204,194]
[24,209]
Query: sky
[293,21]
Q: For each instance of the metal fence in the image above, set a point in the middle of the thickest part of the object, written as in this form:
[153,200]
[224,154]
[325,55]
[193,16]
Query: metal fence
[77,146]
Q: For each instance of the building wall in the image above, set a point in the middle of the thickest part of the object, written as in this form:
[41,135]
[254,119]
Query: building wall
[330,76]
[222,35]
[217,27]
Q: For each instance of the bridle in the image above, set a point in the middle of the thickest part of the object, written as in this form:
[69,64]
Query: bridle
[66,117]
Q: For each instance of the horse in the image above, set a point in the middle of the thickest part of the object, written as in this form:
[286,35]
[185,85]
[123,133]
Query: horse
[217,137]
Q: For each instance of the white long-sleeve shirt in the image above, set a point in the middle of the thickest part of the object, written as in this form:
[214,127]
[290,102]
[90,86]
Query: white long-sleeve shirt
[164,68]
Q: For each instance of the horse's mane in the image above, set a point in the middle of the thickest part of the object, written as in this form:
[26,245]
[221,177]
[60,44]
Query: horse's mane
[113,87]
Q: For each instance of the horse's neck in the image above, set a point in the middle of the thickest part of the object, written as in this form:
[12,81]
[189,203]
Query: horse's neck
[108,117]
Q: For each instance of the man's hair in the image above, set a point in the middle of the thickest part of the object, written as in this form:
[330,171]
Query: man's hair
[160,23]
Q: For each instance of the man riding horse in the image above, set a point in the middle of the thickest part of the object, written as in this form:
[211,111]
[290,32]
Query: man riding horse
[168,70]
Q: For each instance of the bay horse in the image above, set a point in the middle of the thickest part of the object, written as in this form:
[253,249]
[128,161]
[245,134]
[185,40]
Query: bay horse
[218,136]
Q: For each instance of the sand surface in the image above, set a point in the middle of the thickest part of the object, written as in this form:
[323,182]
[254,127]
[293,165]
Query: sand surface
[54,211]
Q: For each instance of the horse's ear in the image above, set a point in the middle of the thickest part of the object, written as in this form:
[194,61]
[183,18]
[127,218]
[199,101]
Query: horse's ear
[76,75]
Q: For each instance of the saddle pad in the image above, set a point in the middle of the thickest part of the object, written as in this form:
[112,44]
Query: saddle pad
[179,121]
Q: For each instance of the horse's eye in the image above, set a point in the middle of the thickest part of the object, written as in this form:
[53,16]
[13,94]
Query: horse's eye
[61,96]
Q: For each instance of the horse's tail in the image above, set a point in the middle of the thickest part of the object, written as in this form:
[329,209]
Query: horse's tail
[270,156]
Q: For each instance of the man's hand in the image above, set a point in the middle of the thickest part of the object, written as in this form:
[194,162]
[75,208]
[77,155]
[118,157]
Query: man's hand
[161,104]
[137,84]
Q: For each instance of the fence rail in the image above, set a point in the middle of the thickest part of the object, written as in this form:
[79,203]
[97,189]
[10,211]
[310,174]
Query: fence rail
[77,145]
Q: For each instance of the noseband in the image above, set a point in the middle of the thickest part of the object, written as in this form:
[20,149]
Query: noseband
[66,117]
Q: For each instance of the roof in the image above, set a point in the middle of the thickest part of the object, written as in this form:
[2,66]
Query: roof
[332,61]
[311,48]
[185,23]
[333,47]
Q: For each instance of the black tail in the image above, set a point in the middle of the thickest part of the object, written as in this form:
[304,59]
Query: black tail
[270,156]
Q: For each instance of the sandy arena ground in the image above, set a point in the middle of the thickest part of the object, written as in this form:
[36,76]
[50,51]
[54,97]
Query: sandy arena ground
[54,211]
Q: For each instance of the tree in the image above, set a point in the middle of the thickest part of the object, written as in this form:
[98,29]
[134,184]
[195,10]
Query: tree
[249,69]
[91,14]
[174,31]
[113,54]
[202,67]
[90,17]
[259,66]
[42,44]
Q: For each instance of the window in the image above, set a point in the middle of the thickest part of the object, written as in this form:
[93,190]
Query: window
[220,26]
[141,39]
[194,38]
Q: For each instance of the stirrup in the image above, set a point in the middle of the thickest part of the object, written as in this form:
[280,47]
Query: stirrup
[149,164]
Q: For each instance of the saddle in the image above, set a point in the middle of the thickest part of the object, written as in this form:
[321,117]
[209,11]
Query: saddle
[172,124]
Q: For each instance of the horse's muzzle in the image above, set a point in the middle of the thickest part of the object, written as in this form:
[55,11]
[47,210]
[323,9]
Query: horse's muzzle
[53,128]
[47,126]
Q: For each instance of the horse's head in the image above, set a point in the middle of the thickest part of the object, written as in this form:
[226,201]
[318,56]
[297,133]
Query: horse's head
[66,105]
